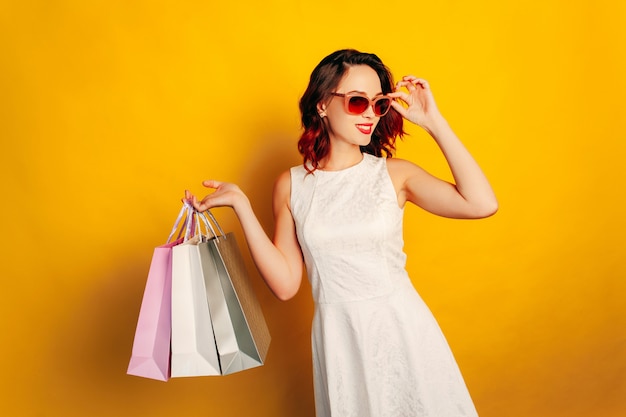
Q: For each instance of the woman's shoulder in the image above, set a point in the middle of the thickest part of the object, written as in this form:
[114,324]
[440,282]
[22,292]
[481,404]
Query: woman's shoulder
[282,186]
[284,178]
[400,169]
[400,164]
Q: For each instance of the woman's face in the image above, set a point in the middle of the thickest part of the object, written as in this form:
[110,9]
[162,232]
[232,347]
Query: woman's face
[348,129]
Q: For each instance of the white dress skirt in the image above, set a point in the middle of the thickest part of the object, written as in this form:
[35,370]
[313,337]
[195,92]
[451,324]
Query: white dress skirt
[377,349]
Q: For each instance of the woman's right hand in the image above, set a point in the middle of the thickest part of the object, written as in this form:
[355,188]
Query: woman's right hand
[279,261]
[225,195]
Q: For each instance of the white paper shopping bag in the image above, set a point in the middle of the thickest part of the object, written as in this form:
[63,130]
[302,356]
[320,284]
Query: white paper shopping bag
[194,352]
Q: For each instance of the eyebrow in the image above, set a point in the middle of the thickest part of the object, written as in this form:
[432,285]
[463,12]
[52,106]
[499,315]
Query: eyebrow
[363,92]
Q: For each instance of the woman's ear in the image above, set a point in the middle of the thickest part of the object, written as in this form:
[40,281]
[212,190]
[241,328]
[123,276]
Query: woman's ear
[321,110]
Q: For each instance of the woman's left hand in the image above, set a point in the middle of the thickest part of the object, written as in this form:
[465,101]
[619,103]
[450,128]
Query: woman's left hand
[421,108]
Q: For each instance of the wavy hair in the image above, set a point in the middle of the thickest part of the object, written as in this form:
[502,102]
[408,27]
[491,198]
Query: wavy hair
[314,143]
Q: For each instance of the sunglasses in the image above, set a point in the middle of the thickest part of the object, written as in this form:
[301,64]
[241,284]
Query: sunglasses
[356,103]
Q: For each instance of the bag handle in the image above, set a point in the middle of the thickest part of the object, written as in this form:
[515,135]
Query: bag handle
[191,224]
[207,224]
[192,229]
[212,220]
[200,218]
[185,208]
[215,222]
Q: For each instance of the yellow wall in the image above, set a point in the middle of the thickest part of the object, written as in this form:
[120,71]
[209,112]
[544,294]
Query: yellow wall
[110,109]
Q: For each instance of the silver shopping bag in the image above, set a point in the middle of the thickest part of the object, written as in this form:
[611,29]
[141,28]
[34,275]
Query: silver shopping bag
[194,352]
[241,333]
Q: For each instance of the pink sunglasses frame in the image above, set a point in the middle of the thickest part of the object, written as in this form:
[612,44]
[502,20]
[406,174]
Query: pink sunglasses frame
[348,96]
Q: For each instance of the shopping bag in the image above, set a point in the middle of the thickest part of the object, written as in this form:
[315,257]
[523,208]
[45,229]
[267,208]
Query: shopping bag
[241,333]
[150,357]
[194,352]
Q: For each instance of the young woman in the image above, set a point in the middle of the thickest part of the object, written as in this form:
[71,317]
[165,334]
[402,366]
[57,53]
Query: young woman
[377,350]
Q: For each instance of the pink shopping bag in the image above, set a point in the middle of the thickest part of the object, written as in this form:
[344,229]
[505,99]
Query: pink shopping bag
[151,348]
[151,351]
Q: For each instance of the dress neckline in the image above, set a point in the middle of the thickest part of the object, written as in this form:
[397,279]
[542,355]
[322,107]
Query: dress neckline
[338,171]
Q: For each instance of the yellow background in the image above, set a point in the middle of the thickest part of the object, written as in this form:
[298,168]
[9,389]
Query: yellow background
[110,109]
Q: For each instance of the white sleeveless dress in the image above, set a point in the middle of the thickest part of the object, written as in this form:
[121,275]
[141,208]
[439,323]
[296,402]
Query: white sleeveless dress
[377,349]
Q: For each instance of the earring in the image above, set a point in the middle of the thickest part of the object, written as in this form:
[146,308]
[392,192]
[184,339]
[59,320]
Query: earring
[322,115]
